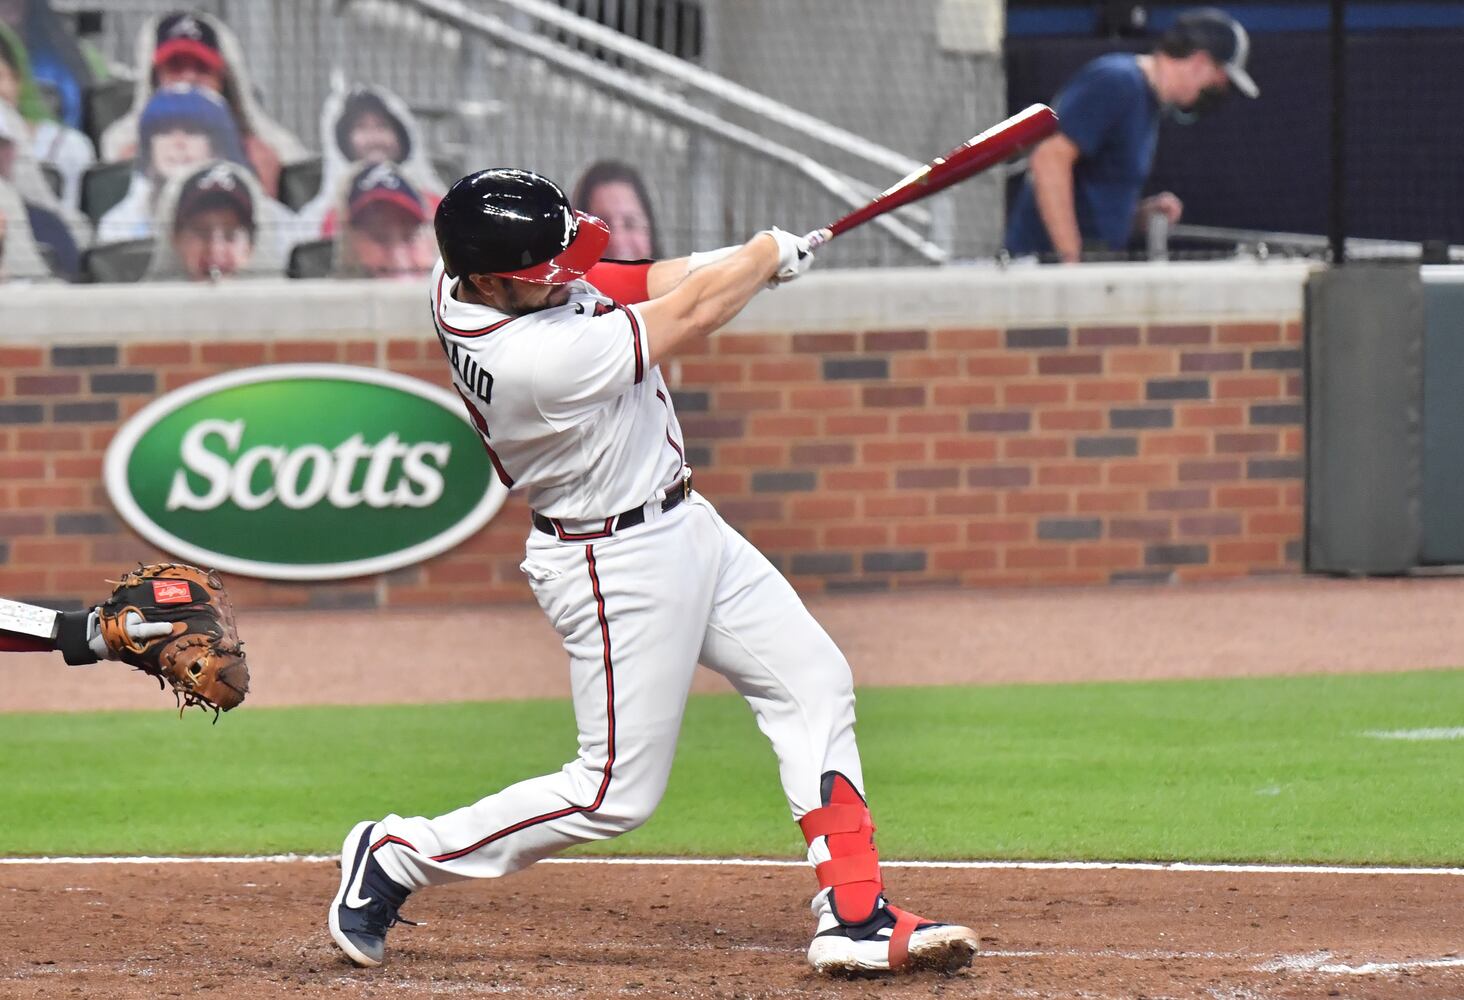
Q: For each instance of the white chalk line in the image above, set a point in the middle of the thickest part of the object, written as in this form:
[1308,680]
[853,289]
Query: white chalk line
[1452,733]
[1126,866]
[1320,961]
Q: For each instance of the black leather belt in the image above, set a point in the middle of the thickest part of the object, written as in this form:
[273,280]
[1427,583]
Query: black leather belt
[625,519]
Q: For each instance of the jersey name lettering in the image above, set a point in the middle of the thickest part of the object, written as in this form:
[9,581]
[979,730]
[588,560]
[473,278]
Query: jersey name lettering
[478,381]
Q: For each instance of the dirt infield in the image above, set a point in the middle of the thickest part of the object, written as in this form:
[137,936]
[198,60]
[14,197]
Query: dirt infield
[257,931]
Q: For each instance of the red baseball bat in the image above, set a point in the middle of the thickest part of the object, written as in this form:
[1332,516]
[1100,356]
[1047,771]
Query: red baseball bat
[996,145]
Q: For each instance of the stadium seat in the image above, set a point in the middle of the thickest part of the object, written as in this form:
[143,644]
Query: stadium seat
[300,182]
[117,262]
[103,186]
[102,104]
[315,259]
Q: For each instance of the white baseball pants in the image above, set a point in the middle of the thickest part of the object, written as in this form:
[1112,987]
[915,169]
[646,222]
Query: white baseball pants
[636,612]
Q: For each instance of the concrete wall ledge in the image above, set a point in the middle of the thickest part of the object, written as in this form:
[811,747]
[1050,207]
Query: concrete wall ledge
[875,299]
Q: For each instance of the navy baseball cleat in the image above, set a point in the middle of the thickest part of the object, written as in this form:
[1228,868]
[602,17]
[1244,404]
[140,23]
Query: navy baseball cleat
[366,904]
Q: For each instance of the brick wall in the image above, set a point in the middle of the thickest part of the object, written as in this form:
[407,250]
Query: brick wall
[858,461]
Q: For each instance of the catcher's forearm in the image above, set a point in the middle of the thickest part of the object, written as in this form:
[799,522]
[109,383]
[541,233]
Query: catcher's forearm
[27,628]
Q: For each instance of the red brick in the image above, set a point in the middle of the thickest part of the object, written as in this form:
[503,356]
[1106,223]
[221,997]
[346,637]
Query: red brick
[896,340]
[469,571]
[49,439]
[145,355]
[1107,336]
[905,505]
[1138,473]
[1209,470]
[404,350]
[1077,474]
[1206,415]
[1293,440]
[1108,391]
[1110,501]
[1143,362]
[824,397]
[1274,523]
[963,559]
[1251,497]
[790,370]
[232,354]
[12,469]
[47,385]
[1041,557]
[1209,525]
[967,340]
[999,531]
[1249,552]
[866,534]
[299,351]
[1070,420]
[1292,332]
[1252,387]
[51,496]
[734,401]
[965,503]
[1026,393]
[928,533]
[1108,556]
[1070,364]
[963,449]
[361,352]
[1254,443]
[965,394]
[1153,445]
[928,423]
[745,453]
[721,482]
[751,343]
[1248,333]
[899,450]
[21,357]
[925,366]
[1031,502]
[858,423]
[823,508]
[782,425]
[1171,335]
[1034,447]
[892,395]
[714,373]
[1000,365]
[824,343]
[856,479]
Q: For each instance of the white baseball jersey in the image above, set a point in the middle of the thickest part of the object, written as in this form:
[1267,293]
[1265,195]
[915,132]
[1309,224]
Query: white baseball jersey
[565,400]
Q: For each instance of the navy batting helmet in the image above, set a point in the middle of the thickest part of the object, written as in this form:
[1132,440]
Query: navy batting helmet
[516,224]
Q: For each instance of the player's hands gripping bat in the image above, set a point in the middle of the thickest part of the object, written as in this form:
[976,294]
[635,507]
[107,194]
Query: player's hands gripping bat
[997,144]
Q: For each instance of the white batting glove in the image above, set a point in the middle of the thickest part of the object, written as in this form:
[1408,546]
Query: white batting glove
[794,255]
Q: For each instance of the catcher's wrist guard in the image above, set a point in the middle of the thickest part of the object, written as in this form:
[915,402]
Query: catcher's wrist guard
[73,637]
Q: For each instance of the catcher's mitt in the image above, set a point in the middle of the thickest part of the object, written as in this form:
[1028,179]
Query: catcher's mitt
[201,656]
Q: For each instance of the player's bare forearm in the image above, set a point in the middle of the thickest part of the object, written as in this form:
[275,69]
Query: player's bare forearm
[703,301]
[665,275]
[1052,184]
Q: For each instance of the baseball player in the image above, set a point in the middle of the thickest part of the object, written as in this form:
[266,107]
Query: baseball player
[637,572]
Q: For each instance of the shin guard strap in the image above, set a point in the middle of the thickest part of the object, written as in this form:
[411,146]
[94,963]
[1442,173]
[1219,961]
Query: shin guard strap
[847,871]
[834,819]
[905,924]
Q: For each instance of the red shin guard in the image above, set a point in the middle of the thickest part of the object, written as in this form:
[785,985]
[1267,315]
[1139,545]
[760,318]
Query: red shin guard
[852,871]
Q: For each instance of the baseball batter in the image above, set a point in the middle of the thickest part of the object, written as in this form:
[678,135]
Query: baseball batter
[637,572]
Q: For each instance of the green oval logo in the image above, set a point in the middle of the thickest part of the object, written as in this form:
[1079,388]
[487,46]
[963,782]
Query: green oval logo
[303,472]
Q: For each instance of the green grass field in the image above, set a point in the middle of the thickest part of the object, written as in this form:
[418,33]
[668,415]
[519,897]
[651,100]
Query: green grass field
[1270,770]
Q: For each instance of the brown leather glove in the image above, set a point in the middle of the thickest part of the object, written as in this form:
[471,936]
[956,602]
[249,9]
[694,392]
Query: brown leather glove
[201,656]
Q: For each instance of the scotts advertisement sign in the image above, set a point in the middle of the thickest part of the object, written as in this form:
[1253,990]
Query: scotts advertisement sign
[303,472]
